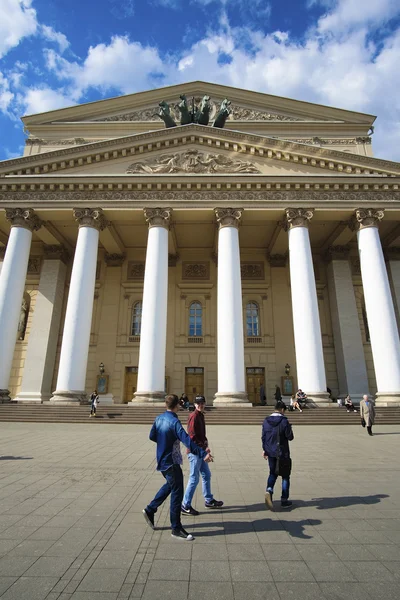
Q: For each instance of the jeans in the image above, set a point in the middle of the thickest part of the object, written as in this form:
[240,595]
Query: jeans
[273,477]
[197,467]
[173,486]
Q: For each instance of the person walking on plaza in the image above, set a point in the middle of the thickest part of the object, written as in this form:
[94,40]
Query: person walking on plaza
[276,434]
[94,401]
[367,413]
[167,432]
[197,430]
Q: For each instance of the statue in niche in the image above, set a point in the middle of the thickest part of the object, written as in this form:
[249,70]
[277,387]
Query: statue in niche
[165,114]
[223,114]
[23,318]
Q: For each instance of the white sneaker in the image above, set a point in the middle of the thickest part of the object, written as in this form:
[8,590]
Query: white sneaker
[181,534]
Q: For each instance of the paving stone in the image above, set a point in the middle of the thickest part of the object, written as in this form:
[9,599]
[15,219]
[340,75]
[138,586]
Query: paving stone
[11,566]
[5,583]
[210,571]
[30,588]
[170,570]
[328,570]
[290,571]
[372,571]
[382,591]
[103,580]
[250,571]
[49,566]
[108,559]
[281,552]
[300,591]
[255,591]
[343,591]
[31,548]
[200,590]
[171,590]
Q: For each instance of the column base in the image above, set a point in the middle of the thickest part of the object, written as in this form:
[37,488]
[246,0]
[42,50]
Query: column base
[5,396]
[232,399]
[62,397]
[387,399]
[146,398]
[32,398]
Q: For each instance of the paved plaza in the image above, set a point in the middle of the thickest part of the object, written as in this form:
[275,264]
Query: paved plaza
[71,526]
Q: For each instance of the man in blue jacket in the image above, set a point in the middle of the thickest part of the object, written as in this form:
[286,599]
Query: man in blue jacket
[276,434]
[167,432]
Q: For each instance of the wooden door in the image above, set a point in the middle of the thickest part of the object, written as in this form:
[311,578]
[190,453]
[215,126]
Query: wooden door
[194,382]
[131,374]
[254,379]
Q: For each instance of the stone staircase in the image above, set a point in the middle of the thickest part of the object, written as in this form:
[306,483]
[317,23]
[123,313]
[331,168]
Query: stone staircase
[124,414]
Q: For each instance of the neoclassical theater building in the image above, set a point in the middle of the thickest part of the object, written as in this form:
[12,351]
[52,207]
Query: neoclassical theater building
[142,255]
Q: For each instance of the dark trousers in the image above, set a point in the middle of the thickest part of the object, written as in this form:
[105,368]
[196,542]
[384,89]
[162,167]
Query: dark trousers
[273,477]
[369,429]
[173,485]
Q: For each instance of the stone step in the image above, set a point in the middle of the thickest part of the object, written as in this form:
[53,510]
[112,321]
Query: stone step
[123,414]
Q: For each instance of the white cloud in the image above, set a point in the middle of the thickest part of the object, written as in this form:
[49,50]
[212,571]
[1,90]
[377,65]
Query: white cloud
[346,14]
[18,20]
[54,36]
[6,96]
[42,99]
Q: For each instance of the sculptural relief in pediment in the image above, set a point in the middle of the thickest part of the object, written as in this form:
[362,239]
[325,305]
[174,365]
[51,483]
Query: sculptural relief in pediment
[192,161]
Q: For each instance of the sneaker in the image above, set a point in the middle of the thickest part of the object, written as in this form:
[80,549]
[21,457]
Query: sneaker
[214,504]
[149,518]
[181,534]
[189,511]
[286,504]
[268,500]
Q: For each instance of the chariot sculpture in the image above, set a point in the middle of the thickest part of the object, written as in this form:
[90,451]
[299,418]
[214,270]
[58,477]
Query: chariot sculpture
[190,113]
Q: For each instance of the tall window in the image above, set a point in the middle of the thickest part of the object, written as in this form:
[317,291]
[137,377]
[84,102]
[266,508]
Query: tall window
[136,318]
[252,319]
[195,319]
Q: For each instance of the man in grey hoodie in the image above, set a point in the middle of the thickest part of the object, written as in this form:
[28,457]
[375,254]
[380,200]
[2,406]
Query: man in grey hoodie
[276,434]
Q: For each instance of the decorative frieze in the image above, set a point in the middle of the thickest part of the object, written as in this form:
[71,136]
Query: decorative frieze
[297,217]
[252,270]
[317,141]
[135,270]
[90,217]
[34,265]
[158,217]
[192,161]
[366,217]
[23,217]
[228,217]
[195,270]
[56,252]
[114,260]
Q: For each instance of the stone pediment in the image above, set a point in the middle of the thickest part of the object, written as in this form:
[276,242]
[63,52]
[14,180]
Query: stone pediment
[196,149]
[246,106]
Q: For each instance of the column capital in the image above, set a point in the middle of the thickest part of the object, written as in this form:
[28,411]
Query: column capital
[366,217]
[23,217]
[337,253]
[56,252]
[297,217]
[158,217]
[114,260]
[228,217]
[90,217]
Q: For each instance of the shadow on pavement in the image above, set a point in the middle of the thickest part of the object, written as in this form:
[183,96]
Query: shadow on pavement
[16,457]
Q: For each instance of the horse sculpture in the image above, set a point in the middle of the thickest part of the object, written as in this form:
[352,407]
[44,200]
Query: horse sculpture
[223,113]
[165,114]
[203,112]
[186,114]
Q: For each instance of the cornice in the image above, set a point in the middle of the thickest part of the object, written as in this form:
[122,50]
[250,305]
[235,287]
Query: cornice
[217,91]
[202,136]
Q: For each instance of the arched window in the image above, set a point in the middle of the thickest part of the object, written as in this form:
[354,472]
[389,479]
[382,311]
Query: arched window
[136,318]
[252,319]
[195,319]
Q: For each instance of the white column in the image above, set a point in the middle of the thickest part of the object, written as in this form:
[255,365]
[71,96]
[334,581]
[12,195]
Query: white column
[43,336]
[78,319]
[306,324]
[153,335]
[382,324]
[231,380]
[12,285]
[349,350]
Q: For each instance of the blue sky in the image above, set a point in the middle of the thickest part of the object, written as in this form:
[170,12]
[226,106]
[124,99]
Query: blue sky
[343,53]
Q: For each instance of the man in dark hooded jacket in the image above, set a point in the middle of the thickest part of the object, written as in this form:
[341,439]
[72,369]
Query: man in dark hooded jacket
[276,434]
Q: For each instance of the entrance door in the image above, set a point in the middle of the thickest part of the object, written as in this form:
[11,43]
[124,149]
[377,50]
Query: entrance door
[255,379]
[194,382]
[130,383]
